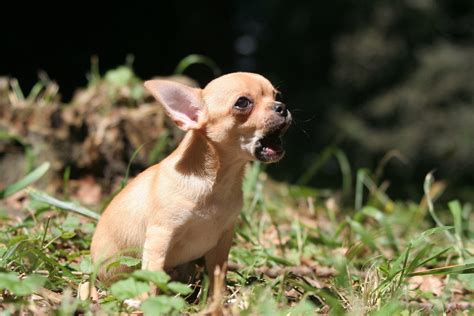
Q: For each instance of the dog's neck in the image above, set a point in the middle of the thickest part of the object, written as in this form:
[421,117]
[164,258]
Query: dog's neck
[200,157]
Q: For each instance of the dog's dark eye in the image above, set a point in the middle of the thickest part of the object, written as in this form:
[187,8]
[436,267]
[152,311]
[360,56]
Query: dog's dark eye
[243,103]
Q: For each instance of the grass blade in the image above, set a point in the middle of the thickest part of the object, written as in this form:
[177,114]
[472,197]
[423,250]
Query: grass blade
[197,59]
[15,86]
[456,210]
[404,266]
[453,269]
[158,150]
[359,190]
[415,262]
[127,172]
[26,181]
[35,91]
[94,75]
[345,170]
[438,254]
[318,163]
[67,206]
[429,179]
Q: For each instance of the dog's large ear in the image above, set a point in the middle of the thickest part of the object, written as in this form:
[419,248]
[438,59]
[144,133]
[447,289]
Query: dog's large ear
[182,103]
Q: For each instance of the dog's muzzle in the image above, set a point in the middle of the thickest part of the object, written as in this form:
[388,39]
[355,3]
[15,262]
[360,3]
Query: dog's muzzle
[269,148]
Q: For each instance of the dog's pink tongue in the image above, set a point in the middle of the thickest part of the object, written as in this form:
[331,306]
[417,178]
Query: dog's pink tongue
[272,151]
[269,151]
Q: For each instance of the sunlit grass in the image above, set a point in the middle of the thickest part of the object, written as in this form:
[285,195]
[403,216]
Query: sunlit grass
[294,252]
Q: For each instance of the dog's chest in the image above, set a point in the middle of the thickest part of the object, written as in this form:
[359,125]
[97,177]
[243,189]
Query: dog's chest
[203,229]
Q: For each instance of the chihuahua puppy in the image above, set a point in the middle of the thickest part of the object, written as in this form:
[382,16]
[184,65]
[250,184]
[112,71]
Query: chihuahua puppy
[185,207]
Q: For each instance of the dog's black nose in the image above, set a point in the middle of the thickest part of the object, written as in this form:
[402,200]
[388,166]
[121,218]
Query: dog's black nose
[280,109]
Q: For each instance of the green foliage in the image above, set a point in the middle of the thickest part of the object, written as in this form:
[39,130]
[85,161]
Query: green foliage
[163,305]
[21,287]
[128,288]
[372,253]
[139,283]
[179,288]
[68,206]
[197,59]
[124,260]
[117,80]
[159,278]
[26,181]
[162,281]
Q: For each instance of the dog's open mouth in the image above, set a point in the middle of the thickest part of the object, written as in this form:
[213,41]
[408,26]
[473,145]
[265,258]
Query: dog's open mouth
[269,148]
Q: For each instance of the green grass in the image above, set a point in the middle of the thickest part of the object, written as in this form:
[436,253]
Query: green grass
[297,250]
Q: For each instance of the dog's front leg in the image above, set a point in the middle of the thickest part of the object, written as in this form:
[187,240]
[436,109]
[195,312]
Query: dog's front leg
[157,244]
[217,257]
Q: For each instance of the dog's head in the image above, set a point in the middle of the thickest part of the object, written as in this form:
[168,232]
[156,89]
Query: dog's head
[237,112]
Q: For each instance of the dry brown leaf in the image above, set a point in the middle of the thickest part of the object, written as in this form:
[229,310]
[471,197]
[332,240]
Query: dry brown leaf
[427,283]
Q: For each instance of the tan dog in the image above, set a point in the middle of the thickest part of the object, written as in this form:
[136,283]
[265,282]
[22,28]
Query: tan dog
[185,207]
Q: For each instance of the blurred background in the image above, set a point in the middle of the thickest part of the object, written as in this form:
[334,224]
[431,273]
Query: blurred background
[372,79]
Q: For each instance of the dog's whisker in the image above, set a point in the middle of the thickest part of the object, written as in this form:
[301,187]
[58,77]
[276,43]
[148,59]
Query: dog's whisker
[302,130]
[296,118]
